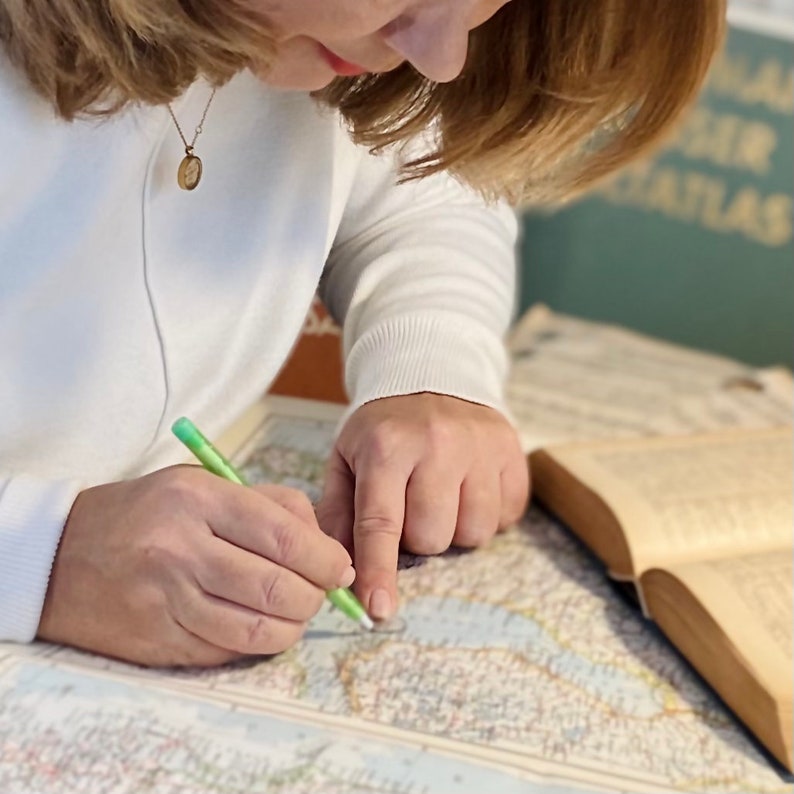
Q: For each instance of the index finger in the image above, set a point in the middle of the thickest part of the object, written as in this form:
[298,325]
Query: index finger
[377,529]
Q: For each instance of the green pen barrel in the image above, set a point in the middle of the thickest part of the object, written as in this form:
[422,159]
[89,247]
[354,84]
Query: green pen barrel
[203,449]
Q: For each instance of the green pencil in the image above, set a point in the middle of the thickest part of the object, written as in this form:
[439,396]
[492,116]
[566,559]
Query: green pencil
[212,460]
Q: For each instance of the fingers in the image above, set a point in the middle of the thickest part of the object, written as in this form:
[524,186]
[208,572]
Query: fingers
[250,520]
[230,626]
[439,510]
[431,509]
[238,576]
[427,470]
[479,509]
[379,514]
[335,510]
[491,500]
[515,489]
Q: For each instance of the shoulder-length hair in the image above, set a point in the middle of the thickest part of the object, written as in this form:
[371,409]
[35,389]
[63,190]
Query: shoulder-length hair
[555,94]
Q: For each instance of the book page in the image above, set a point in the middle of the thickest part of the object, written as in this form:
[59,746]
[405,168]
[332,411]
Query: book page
[752,599]
[733,618]
[689,498]
[572,379]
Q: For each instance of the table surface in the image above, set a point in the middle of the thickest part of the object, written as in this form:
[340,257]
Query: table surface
[515,668]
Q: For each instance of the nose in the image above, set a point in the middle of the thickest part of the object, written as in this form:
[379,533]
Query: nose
[434,38]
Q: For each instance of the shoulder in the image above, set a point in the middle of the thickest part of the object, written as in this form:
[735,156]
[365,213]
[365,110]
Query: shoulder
[19,103]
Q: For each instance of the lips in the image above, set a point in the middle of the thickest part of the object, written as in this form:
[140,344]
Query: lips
[340,65]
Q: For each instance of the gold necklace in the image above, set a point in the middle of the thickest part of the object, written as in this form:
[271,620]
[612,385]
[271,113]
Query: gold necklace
[190,169]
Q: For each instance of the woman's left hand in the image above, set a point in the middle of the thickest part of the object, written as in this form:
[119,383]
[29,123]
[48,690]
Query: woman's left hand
[421,471]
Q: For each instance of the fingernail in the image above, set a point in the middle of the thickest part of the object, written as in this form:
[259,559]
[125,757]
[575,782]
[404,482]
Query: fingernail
[380,606]
[348,577]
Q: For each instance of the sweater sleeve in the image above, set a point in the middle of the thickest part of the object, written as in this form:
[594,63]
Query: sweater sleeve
[32,515]
[422,278]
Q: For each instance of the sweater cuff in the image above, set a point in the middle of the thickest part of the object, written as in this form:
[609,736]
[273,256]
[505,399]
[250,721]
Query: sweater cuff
[32,516]
[440,354]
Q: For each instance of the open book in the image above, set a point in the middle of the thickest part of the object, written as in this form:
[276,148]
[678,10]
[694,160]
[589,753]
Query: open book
[703,526]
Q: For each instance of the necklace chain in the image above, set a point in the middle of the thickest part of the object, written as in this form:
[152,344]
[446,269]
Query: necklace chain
[199,127]
[190,169]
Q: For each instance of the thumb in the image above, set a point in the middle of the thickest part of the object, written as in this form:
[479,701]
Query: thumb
[335,510]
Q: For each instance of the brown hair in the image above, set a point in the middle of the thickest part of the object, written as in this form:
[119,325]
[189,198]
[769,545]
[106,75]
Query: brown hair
[555,94]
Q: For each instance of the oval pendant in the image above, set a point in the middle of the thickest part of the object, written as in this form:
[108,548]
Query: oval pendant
[189,174]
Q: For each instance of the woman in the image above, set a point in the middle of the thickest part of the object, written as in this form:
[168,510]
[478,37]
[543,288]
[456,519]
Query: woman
[171,196]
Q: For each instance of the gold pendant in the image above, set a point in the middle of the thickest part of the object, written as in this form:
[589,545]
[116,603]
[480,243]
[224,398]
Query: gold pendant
[189,174]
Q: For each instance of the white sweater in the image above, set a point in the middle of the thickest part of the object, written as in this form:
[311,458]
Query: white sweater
[126,302]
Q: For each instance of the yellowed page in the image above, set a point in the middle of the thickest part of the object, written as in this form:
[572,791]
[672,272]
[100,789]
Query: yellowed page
[733,618]
[572,379]
[690,498]
[752,599]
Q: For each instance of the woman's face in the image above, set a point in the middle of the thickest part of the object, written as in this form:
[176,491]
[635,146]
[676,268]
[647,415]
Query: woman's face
[319,40]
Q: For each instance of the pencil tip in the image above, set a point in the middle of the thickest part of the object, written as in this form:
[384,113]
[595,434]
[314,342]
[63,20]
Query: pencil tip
[366,622]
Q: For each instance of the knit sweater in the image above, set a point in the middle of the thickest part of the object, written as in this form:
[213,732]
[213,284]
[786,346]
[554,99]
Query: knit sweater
[126,302]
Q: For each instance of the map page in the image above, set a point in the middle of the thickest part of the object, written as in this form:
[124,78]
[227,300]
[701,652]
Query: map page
[513,668]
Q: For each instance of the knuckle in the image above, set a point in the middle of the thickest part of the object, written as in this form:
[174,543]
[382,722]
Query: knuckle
[178,491]
[285,541]
[274,596]
[301,507]
[298,502]
[259,635]
[263,636]
[383,440]
[440,434]
[376,525]
[160,554]
[180,483]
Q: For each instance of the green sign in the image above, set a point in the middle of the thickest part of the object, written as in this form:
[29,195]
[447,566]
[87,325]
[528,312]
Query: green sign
[694,245]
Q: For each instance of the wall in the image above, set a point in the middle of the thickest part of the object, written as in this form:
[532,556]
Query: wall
[694,245]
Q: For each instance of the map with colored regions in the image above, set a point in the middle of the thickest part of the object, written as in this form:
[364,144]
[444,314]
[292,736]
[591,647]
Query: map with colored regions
[514,668]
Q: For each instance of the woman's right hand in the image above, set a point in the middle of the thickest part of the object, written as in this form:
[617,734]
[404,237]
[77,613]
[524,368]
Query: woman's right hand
[181,567]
